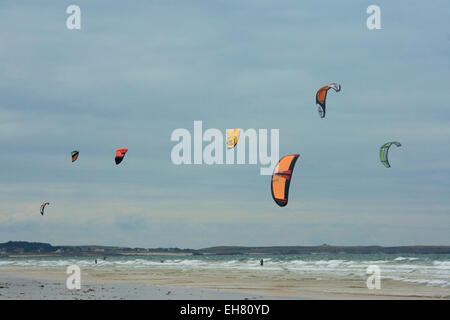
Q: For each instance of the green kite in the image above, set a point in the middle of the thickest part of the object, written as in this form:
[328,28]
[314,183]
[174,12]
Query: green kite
[384,152]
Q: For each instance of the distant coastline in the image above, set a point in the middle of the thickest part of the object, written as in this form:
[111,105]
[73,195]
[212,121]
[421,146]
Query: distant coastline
[13,249]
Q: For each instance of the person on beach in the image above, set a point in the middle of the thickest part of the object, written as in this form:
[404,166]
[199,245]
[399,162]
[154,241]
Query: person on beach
[95,261]
[261,262]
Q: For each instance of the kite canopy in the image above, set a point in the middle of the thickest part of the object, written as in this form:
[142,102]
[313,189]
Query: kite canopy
[233,137]
[74,155]
[384,152]
[281,179]
[43,207]
[120,154]
[321,97]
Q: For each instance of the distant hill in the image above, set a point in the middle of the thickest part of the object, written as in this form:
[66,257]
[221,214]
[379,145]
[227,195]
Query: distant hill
[23,248]
[26,247]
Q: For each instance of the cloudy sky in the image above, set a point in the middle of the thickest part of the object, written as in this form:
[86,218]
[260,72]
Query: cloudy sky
[138,70]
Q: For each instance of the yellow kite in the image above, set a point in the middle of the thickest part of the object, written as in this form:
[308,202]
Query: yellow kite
[233,137]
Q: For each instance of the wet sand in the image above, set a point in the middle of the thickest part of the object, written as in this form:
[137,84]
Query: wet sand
[15,288]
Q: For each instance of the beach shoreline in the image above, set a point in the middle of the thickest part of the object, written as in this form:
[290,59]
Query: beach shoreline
[14,287]
[166,285]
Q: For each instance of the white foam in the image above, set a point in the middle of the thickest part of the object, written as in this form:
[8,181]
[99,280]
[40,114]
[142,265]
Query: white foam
[409,269]
[405,258]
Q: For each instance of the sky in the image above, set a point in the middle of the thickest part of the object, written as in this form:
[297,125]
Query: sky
[136,71]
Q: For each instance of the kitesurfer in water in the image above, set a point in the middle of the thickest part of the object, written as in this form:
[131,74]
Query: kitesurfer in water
[261,262]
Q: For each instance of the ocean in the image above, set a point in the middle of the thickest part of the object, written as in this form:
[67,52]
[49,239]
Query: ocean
[426,269]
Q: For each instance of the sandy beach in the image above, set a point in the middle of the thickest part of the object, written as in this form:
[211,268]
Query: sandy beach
[169,283]
[24,288]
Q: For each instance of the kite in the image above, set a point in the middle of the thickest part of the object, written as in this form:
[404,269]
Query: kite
[321,97]
[384,152]
[120,154]
[74,155]
[233,137]
[43,207]
[281,179]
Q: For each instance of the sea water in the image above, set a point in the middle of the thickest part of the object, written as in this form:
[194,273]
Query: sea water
[427,269]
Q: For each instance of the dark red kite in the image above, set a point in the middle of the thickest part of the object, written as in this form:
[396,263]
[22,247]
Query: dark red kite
[120,154]
[75,155]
